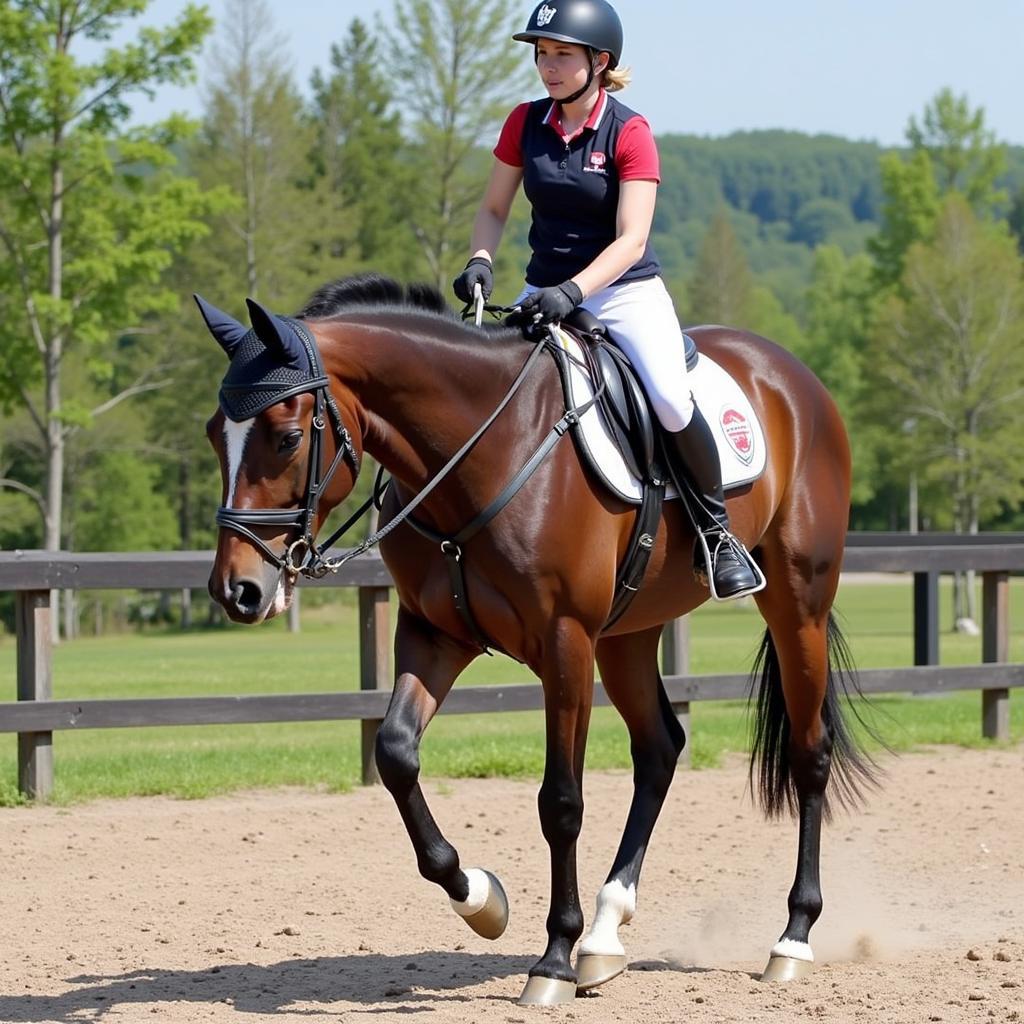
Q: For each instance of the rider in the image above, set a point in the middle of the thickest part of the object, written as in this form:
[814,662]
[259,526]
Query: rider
[590,170]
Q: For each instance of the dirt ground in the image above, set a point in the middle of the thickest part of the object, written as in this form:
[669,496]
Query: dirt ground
[308,906]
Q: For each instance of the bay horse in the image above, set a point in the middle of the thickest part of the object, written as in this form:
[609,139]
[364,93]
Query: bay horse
[369,366]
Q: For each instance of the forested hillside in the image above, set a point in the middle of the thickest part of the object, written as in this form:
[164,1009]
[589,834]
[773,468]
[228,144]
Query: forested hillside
[785,193]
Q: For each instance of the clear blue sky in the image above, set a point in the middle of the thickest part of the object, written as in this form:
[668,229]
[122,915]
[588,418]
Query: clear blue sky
[856,69]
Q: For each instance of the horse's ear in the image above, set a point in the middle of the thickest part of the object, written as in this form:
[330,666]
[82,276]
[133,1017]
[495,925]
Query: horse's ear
[277,335]
[226,329]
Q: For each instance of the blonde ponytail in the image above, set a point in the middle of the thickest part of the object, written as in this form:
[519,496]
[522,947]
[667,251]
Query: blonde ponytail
[616,79]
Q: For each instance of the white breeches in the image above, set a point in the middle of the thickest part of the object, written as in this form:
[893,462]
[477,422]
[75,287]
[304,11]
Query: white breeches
[642,321]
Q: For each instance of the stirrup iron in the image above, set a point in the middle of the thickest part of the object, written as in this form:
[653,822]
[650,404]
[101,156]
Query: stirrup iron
[705,556]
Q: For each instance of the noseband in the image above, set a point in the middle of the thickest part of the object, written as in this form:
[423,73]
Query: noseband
[245,394]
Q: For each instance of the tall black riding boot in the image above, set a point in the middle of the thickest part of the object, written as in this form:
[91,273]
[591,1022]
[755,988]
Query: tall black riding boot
[693,460]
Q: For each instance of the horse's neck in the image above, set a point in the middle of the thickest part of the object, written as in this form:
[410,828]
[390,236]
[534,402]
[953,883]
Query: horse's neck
[422,387]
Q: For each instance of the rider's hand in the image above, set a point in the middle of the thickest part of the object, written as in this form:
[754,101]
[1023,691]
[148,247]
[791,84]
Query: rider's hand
[547,305]
[478,271]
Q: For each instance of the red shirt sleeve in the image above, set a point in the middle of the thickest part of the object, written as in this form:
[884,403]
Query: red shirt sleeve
[636,155]
[509,149]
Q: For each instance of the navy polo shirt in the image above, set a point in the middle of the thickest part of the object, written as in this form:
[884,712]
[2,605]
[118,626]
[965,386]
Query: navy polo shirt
[573,185]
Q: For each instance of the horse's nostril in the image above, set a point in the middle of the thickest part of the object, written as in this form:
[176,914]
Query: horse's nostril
[247,595]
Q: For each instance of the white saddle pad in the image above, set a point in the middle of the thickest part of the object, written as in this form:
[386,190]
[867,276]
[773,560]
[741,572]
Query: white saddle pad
[730,416]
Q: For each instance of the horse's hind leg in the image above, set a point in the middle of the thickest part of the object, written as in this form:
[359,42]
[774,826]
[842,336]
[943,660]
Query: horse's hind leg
[800,732]
[629,672]
[800,662]
[426,665]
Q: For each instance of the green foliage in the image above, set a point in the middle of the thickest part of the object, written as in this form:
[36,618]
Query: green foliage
[951,152]
[721,289]
[911,206]
[256,140]
[820,219]
[120,508]
[360,153]
[839,310]
[1016,219]
[456,76]
[949,355]
[964,154]
[90,210]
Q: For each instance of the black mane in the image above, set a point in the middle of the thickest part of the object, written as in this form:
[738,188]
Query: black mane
[372,291]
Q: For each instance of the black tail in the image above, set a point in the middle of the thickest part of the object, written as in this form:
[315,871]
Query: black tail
[853,769]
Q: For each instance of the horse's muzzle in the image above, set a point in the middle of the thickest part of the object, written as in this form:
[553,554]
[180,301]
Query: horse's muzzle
[247,597]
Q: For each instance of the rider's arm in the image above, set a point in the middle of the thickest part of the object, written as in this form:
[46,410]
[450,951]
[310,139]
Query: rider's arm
[634,215]
[494,209]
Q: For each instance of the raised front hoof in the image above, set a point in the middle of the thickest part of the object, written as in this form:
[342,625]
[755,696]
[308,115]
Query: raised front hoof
[787,968]
[547,992]
[491,920]
[593,969]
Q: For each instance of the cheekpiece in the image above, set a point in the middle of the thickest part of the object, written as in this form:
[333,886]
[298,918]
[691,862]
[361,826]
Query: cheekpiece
[257,379]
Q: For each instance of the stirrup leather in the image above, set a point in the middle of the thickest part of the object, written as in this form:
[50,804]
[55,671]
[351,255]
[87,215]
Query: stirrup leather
[708,544]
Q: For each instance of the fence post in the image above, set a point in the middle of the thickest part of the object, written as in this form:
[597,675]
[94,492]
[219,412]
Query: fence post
[675,661]
[33,622]
[995,646]
[926,618]
[374,665]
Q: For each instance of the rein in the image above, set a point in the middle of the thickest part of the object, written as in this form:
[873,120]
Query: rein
[450,546]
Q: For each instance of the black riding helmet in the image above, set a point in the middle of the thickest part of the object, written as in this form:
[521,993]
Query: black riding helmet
[590,23]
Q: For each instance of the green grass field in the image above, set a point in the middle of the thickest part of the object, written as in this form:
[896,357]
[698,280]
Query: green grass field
[197,761]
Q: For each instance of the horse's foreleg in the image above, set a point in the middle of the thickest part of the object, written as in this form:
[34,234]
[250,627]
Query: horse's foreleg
[568,679]
[426,665]
[629,672]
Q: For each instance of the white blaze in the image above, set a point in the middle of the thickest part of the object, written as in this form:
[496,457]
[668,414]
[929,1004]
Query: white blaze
[235,435]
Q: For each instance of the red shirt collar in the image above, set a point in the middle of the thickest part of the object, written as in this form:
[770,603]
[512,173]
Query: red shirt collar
[554,115]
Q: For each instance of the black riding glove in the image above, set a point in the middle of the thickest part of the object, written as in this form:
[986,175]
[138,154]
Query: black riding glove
[478,272]
[546,305]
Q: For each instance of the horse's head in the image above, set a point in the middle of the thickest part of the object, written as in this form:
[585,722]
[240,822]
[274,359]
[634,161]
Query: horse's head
[286,459]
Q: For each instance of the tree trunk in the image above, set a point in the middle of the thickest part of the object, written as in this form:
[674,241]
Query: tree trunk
[54,352]
[70,615]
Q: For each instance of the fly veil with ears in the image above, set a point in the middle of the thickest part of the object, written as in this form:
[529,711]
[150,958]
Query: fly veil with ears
[276,359]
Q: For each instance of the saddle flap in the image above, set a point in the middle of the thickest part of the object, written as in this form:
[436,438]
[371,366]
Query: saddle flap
[628,405]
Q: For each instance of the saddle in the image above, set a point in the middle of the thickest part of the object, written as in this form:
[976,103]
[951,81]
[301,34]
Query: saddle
[623,403]
[621,440]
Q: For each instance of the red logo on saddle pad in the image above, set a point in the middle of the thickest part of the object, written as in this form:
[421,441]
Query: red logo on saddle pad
[736,428]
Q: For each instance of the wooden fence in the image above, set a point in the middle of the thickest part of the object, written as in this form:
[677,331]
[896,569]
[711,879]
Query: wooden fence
[35,716]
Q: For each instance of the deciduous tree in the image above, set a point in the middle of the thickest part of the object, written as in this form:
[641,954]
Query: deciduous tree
[951,151]
[457,74]
[950,350]
[90,212]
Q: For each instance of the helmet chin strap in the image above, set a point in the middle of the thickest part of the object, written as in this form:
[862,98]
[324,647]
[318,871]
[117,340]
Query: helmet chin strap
[590,76]
[586,85]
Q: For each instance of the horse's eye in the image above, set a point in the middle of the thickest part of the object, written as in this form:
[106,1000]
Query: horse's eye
[290,441]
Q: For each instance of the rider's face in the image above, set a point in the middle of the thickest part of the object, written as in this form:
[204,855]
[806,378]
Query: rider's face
[562,67]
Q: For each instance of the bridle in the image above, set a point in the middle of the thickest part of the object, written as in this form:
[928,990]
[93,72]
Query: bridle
[301,555]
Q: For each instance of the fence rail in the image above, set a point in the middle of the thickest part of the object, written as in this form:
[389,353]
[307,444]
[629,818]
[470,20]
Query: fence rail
[35,716]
